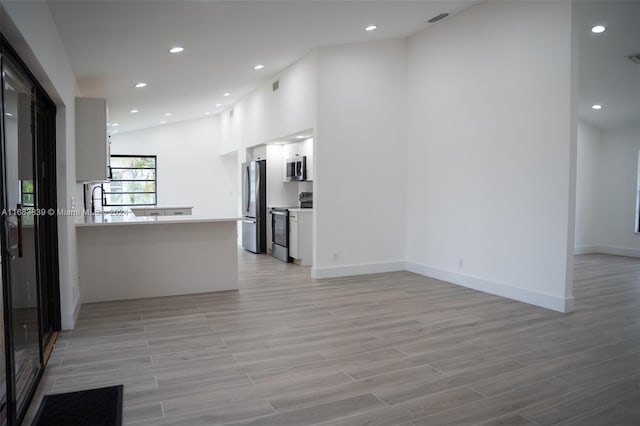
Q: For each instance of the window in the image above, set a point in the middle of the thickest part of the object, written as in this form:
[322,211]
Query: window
[133,181]
[28,194]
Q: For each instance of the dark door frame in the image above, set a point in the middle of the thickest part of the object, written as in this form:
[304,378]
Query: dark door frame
[44,145]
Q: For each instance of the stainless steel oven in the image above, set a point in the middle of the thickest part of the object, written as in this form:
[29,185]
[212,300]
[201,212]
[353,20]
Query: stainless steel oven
[280,233]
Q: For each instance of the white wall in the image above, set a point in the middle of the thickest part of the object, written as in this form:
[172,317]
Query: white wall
[617,191]
[360,157]
[190,170]
[31,30]
[265,115]
[490,145]
[279,193]
[586,187]
[607,191]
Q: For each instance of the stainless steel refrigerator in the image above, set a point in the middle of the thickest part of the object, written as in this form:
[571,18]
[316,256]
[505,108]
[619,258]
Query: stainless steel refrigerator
[254,206]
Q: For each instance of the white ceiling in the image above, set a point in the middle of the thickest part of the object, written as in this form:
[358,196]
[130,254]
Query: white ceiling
[606,77]
[114,44]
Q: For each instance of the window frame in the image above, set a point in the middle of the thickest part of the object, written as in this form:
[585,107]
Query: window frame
[32,193]
[111,168]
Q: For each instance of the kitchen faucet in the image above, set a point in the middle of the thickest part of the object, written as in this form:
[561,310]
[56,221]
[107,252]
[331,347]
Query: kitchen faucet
[93,208]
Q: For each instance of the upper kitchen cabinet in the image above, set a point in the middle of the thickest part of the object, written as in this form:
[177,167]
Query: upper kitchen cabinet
[92,141]
[257,153]
[300,149]
[306,148]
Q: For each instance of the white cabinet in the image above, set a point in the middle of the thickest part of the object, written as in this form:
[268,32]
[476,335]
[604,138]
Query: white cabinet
[300,235]
[154,212]
[178,211]
[92,141]
[293,235]
[257,153]
[299,149]
[306,148]
[167,211]
[290,150]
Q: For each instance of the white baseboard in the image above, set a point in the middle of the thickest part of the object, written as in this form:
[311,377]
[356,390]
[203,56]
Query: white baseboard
[616,251]
[620,251]
[585,250]
[69,318]
[548,301]
[360,269]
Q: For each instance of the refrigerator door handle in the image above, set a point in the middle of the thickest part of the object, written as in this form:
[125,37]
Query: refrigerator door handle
[249,220]
[248,188]
[258,190]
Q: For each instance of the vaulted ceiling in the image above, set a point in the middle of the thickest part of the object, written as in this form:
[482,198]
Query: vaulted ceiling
[113,45]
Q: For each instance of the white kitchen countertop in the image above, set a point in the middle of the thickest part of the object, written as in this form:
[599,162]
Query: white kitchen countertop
[131,219]
[160,208]
[291,209]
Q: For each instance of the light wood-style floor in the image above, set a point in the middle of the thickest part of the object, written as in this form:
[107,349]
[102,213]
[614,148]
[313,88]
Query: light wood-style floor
[386,349]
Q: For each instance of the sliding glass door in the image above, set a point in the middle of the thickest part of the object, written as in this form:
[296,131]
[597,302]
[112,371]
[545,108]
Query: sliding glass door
[29,308]
[3,367]
[21,229]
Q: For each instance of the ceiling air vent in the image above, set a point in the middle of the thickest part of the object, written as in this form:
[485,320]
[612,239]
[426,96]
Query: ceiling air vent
[276,85]
[438,18]
[635,58]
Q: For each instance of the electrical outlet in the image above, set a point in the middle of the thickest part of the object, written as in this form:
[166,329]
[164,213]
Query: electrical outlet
[73,202]
[460,263]
[335,257]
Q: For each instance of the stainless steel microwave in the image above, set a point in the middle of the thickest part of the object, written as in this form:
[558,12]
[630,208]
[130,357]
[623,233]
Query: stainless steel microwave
[296,169]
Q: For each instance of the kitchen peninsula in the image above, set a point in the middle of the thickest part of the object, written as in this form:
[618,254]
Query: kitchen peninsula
[130,257]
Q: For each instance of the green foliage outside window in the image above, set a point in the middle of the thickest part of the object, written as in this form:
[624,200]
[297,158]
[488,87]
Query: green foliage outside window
[28,194]
[133,183]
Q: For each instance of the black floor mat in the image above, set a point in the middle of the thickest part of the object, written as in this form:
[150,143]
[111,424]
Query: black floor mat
[92,407]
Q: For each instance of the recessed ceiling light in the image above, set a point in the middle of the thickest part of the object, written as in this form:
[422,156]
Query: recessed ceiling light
[162,121]
[115,125]
[115,131]
[258,67]
[371,28]
[168,114]
[598,29]
[207,113]
[596,107]
[300,137]
[133,111]
[141,84]
[227,94]
[218,105]
[176,49]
